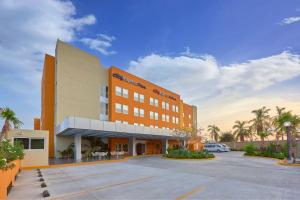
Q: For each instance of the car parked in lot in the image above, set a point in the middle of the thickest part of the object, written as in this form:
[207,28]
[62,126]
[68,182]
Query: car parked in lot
[214,147]
[226,147]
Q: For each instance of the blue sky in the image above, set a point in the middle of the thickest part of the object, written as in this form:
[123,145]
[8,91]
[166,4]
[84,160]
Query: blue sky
[226,57]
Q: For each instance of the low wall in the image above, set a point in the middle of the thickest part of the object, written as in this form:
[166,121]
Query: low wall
[241,145]
[8,177]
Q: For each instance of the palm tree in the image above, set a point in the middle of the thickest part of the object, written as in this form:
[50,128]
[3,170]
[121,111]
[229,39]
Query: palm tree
[279,130]
[240,131]
[9,117]
[214,132]
[261,121]
[295,123]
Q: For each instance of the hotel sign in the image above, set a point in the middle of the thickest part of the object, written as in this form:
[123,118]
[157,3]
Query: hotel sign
[122,78]
[163,94]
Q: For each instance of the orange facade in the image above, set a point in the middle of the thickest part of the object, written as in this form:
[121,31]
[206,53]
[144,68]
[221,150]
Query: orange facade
[47,114]
[187,115]
[124,80]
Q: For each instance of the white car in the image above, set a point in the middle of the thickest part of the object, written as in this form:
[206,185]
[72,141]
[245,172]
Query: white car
[226,148]
[214,147]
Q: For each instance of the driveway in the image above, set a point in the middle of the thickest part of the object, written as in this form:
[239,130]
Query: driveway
[229,176]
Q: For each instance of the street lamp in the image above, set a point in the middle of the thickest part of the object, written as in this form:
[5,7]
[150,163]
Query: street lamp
[288,125]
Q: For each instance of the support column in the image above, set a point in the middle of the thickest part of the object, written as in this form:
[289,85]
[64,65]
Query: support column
[165,146]
[132,146]
[77,144]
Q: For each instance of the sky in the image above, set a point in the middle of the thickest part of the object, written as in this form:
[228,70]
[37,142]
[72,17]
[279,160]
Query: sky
[226,57]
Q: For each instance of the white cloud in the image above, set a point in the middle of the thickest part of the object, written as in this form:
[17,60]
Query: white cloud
[290,20]
[213,87]
[102,43]
[29,29]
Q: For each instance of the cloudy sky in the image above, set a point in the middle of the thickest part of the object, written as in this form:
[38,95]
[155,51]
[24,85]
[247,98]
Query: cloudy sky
[227,57]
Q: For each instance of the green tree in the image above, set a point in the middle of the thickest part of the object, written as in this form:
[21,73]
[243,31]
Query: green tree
[261,122]
[294,124]
[227,137]
[240,130]
[279,130]
[214,132]
[9,118]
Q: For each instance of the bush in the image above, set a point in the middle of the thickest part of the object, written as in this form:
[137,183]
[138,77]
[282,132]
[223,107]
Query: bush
[9,153]
[250,149]
[186,154]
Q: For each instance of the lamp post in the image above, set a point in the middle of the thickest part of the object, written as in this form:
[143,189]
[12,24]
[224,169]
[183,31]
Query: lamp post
[287,126]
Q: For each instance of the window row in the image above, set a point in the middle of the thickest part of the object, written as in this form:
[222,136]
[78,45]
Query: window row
[31,143]
[138,112]
[122,92]
[121,108]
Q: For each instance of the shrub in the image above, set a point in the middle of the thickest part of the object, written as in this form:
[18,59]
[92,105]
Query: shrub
[250,149]
[9,152]
[186,154]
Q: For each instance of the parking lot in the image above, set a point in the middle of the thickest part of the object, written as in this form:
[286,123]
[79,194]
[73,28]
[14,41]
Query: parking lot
[229,176]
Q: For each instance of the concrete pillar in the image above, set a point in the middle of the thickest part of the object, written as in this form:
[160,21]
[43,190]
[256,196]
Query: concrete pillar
[132,146]
[185,143]
[165,146]
[77,145]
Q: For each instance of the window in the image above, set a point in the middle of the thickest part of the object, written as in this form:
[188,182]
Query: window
[118,147]
[182,114]
[118,121]
[173,108]
[176,120]
[167,106]
[37,143]
[125,109]
[163,117]
[136,124]
[142,112]
[125,93]
[142,98]
[136,112]
[151,115]
[190,125]
[156,116]
[136,96]
[141,124]
[163,105]
[189,116]
[167,118]
[106,108]
[125,147]
[156,102]
[118,91]
[151,101]
[125,122]
[155,126]
[151,126]
[176,109]
[173,120]
[118,108]
[23,141]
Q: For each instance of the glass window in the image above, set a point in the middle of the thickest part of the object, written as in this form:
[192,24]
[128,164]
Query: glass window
[23,141]
[142,112]
[163,105]
[125,122]
[136,124]
[177,109]
[142,98]
[118,91]
[151,115]
[141,124]
[136,112]
[125,109]
[167,118]
[151,126]
[118,147]
[125,93]
[173,108]
[125,147]
[155,126]
[118,121]
[177,121]
[163,117]
[151,101]
[173,120]
[118,108]
[156,102]
[167,106]
[156,116]
[189,116]
[136,96]
[37,143]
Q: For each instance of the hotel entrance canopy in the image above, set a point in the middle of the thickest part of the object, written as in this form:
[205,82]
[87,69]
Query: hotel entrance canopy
[72,126]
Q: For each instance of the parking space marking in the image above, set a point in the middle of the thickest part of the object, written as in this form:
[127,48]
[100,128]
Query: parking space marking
[82,192]
[188,194]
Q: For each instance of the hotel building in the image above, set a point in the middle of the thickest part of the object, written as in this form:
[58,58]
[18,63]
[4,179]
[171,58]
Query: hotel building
[81,100]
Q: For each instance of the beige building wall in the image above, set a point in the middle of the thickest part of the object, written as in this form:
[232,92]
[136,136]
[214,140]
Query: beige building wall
[79,80]
[33,157]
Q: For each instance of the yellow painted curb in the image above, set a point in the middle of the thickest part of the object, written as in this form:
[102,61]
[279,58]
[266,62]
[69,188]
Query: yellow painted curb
[284,163]
[76,164]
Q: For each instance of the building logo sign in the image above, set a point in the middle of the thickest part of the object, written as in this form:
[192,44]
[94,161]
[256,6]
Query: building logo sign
[122,78]
[163,94]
